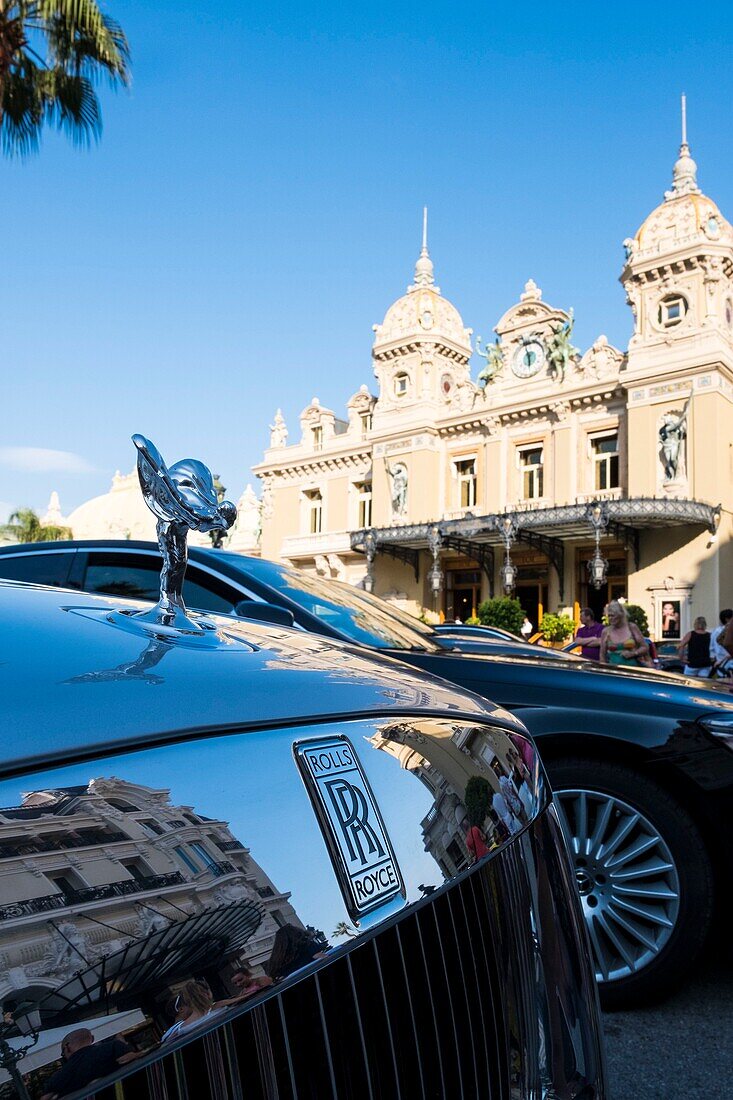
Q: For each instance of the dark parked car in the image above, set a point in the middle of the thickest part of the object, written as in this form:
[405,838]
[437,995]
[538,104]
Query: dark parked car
[461,630]
[488,639]
[641,762]
[250,862]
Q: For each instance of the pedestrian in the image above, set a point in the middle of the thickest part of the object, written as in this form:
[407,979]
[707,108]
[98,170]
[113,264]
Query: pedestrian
[696,645]
[622,643]
[247,984]
[292,949]
[526,629]
[86,1061]
[194,1005]
[721,658]
[588,635]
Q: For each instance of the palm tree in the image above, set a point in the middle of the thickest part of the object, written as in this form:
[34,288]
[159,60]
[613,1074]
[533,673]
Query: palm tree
[25,526]
[52,52]
[344,929]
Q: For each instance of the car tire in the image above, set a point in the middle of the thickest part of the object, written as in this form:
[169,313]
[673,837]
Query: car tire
[647,903]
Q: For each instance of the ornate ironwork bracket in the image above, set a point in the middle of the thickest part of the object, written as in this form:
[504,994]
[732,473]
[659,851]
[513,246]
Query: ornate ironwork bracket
[406,554]
[628,536]
[552,547]
[367,543]
[479,552]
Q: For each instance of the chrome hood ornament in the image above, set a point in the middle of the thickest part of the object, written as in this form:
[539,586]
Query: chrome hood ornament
[182,497]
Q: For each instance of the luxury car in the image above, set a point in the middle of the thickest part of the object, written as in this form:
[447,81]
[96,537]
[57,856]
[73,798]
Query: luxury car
[239,859]
[641,762]
[462,630]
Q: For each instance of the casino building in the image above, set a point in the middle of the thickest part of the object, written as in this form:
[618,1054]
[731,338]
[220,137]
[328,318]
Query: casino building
[563,476]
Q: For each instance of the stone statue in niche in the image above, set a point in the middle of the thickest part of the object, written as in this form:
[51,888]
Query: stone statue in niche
[672,436]
[398,493]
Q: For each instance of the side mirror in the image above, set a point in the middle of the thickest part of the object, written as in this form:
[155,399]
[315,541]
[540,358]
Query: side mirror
[264,612]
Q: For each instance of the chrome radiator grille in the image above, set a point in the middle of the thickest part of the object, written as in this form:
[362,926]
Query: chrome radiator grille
[416,1011]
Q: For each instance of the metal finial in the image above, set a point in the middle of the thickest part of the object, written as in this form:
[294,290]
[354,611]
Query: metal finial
[425,230]
[684,119]
[183,498]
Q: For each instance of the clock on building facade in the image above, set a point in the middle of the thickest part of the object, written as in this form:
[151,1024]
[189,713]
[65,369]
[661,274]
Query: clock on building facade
[529,358]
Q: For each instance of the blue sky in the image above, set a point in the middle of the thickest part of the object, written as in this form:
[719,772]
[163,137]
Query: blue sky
[255,203]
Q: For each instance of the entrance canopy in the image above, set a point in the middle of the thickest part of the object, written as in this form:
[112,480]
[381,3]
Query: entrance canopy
[144,966]
[544,529]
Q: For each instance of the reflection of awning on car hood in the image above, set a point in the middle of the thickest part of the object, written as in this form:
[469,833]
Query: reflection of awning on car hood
[147,965]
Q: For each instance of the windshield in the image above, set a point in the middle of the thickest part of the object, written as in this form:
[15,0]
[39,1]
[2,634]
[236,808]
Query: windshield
[356,615]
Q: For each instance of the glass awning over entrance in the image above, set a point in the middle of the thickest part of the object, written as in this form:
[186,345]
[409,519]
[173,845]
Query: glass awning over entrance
[544,529]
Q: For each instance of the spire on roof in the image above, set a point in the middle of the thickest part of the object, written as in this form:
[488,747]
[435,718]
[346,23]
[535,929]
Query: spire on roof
[684,174]
[424,267]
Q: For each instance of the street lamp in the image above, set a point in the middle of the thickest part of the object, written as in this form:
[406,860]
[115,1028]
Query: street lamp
[598,569]
[597,566]
[508,533]
[27,1020]
[508,574]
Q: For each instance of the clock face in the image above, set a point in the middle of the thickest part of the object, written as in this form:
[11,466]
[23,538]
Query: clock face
[528,358]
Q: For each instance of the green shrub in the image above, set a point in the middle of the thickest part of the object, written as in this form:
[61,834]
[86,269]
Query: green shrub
[502,611]
[637,615]
[477,799]
[473,620]
[557,628]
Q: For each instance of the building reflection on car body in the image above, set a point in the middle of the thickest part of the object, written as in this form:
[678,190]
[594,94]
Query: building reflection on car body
[126,911]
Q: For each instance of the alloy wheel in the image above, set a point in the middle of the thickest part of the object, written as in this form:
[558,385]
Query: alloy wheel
[627,878]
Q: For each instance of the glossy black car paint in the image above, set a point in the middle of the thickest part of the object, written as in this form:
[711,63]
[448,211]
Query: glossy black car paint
[645,719]
[86,688]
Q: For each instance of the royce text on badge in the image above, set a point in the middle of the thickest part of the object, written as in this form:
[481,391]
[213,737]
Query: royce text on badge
[351,824]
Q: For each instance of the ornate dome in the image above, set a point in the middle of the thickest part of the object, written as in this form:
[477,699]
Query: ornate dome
[680,219]
[686,215]
[423,313]
[121,513]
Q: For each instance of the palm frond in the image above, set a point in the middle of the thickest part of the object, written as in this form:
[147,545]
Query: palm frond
[23,108]
[81,44]
[74,107]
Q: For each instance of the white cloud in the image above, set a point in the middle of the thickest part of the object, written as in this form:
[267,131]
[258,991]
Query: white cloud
[42,460]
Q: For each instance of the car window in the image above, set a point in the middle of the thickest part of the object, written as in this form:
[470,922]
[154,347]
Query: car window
[355,614]
[51,568]
[137,576]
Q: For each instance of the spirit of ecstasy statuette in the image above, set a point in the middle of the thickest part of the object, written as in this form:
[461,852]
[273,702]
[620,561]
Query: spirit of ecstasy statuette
[182,497]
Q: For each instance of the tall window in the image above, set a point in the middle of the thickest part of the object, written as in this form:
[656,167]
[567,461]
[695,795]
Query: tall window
[532,470]
[465,472]
[363,490]
[202,853]
[366,424]
[317,438]
[187,860]
[314,506]
[605,461]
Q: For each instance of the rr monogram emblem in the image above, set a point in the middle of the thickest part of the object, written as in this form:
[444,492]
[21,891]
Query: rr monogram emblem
[351,824]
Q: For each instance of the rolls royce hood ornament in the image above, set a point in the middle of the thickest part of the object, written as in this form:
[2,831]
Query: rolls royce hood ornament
[182,497]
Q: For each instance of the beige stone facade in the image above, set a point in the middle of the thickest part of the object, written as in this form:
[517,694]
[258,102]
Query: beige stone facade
[423,489]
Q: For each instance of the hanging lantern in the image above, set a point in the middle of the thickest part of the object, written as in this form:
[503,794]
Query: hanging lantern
[508,574]
[598,569]
[436,579]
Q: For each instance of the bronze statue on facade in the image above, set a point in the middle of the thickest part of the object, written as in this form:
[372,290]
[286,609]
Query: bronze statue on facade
[560,351]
